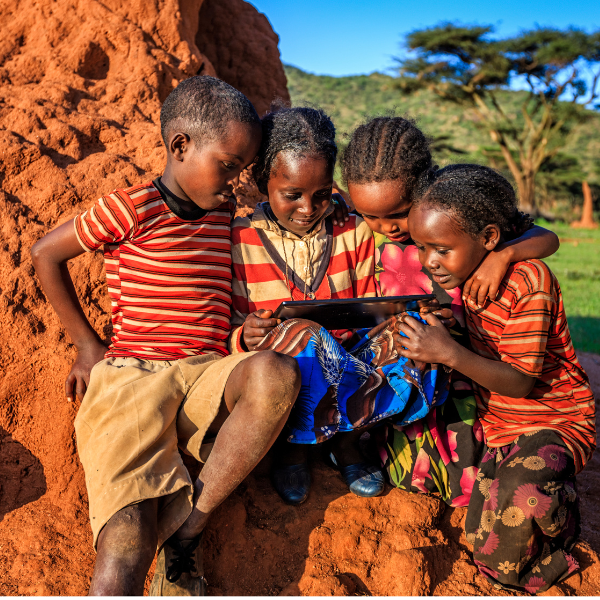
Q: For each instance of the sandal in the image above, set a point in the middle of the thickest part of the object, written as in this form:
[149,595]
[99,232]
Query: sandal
[179,569]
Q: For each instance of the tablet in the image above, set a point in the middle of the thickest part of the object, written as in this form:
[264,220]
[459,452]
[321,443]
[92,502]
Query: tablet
[351,313]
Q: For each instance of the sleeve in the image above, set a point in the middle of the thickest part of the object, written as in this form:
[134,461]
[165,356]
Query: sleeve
[525,335]
[365,284]
[111,219]
[240,306]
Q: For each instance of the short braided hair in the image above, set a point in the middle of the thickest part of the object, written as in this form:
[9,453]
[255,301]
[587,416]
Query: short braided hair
[202,106]
[477,196]
[385,149]
[300,131]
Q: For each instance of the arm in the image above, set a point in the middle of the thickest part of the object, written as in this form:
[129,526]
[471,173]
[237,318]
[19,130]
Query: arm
[364,285]
[484,282]
[435,345]
[50,256]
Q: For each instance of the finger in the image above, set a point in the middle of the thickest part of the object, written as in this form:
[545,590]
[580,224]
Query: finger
[482,295]
[80,388]
[263,313]
[259,332]
[413,323]
[444,313]
[257,323]
[474,290]
[432,320]
[493,291]
[69,387]
[467,287]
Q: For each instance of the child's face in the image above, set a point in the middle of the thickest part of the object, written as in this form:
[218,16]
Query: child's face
[299,190]
[206,173]
[448,252]
[384,206]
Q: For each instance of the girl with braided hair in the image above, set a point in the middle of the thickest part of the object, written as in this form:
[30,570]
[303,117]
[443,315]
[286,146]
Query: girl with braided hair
[292,248]
[533,398]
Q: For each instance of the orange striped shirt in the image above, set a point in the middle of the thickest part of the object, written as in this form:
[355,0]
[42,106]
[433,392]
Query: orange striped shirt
[526,327]
[329,262]
[168,272]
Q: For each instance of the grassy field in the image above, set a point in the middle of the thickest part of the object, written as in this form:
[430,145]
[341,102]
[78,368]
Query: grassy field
[577,267]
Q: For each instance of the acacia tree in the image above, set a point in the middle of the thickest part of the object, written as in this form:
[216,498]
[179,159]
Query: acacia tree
[559,69]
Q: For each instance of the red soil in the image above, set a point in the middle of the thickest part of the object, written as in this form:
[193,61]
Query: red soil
[82,83]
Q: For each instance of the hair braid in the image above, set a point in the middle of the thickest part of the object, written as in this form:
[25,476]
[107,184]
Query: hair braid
[300,131]
[387,148]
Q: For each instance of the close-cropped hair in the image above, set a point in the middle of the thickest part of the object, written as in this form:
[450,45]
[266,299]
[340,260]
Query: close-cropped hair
[202,106]
[476,196]
[300,131]
[387,149]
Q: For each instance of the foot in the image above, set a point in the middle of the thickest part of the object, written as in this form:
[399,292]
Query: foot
[292,482]
[179,569]
[362,479]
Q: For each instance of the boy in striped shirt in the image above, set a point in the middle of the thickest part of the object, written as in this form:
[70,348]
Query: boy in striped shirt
[167,378]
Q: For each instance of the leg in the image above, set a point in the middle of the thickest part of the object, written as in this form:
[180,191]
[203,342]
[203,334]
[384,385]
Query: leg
[126,548]
[258,396]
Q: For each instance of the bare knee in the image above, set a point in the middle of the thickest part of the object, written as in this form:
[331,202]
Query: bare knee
[274,380]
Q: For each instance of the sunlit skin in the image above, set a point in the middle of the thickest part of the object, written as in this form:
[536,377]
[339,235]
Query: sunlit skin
[299,190]
[445,249]
[220,161]
[384,206]
[451,254]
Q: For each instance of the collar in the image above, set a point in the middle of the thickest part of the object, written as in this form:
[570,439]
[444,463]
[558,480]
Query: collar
[263,218]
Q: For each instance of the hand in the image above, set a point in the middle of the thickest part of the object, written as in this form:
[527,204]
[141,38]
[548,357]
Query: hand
[486,278]
[78,378]
[424,343]
[256,326]
[446,316]
[340,213]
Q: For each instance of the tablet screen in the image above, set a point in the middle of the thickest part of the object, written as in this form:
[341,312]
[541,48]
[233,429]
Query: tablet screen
[351,313]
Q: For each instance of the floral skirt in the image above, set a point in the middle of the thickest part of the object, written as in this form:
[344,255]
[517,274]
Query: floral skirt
[523,510]
[343,390]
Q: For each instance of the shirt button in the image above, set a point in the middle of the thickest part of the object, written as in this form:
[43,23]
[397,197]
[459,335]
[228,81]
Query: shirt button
[302,244]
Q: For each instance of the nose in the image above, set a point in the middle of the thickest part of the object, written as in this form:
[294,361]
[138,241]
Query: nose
[431,263]
[235,181]
[307,206]
[389,227]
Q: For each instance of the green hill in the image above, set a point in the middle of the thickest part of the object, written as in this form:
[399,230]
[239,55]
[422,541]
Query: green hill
[456,136]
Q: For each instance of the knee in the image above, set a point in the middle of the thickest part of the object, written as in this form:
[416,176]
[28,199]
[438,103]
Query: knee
[277,377]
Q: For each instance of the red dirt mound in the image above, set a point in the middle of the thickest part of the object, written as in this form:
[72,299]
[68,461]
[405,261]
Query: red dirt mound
[81,86]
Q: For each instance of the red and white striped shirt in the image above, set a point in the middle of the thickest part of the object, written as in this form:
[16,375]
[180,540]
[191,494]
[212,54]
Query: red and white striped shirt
[329,262]
[168,272]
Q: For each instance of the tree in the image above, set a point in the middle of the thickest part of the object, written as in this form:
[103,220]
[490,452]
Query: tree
[560,71]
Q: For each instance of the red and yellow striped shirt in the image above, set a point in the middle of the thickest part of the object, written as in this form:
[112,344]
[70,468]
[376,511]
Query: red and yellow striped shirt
[526,327]
[168,272]
[329,262]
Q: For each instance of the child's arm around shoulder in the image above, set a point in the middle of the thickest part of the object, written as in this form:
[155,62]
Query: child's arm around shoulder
[50,256]
[536,242]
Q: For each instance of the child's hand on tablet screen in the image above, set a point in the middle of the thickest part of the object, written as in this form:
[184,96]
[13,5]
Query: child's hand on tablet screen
[256,326]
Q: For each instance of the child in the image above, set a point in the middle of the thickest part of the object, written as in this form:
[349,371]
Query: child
[385,164]
[290,249]
[533,398]
[166,377]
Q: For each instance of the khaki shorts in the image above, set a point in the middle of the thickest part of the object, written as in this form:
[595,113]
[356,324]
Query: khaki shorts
[134,415]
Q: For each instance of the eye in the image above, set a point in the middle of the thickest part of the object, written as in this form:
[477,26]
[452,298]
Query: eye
[292,196]
[228,165]
[443,252]
[401,215]
[324,193]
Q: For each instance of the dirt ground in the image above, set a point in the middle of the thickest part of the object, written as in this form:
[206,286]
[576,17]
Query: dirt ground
[81,87]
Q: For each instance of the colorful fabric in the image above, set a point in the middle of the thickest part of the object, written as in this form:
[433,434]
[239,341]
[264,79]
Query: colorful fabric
[271,265]
[168,272]
[398,271]
[523,518]
[436,454]
[342,390]
[526,327]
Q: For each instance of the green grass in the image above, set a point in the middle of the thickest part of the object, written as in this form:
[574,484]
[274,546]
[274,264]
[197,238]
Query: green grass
[576,265]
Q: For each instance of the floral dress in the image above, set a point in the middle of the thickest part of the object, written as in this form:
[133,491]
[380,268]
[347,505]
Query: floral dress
[523,514]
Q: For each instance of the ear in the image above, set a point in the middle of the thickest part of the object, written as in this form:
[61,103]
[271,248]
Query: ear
[491,236]
[179,144]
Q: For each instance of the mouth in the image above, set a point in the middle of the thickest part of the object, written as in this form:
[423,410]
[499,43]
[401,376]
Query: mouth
[304,222]
[441,278]
[225,196]
[399,237]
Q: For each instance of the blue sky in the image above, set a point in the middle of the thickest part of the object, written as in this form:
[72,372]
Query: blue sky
[335,37]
